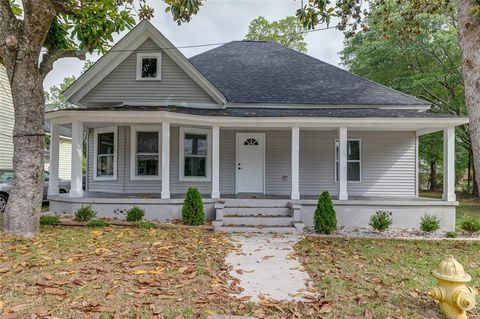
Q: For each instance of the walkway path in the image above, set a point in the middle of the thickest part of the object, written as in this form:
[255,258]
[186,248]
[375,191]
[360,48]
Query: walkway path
[265,265]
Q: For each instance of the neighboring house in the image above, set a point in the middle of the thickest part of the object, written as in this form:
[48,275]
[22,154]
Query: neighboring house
[258,128]
[7,121]
[65,152]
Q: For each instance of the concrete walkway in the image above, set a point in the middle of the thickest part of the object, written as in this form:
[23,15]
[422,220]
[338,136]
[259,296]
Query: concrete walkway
[266,266]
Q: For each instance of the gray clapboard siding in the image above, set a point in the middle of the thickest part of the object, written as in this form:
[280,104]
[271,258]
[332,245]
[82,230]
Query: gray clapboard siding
[121,85]
[227,161]
[6,120]
[388,163]
[278,163]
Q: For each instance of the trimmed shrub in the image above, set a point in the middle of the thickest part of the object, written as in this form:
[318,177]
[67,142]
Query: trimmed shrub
[145,224]
[50,220]
[452,234]
[430,223]
[135,214]
[192,210]
[95,223]
[381,220]
[470,224]
[84,213]
[325,217]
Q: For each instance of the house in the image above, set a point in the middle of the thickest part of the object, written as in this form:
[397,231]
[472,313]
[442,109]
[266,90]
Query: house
[261,130]
[7,121]
[65,152]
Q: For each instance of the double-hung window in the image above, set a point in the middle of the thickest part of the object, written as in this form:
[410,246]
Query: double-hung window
[145,152]
[149,66]
[105,154]
[353,160]
[195,154]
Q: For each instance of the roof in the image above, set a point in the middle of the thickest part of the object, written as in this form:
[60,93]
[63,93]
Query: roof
[280,112]
[64,131]
[268,72]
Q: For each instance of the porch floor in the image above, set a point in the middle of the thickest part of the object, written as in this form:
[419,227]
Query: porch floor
[94,195]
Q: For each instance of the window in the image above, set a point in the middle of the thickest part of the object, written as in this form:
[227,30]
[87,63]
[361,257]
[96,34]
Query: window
[105,151]
[194,155]
[251,141]
[149,66]
[145,152]
[353,160]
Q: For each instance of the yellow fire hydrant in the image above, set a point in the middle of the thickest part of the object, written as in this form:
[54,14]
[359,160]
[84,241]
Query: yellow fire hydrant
[454,296]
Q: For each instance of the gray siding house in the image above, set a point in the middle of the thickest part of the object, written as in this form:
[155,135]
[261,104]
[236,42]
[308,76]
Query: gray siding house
[261,130]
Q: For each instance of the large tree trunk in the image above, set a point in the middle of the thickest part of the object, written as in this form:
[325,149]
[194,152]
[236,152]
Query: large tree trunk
[468,40]
[433,175]
[24,203]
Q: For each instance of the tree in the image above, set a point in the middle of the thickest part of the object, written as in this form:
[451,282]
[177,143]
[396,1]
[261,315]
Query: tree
[352,15]
[54,98]
[288,32]
[426,64]
[46,31]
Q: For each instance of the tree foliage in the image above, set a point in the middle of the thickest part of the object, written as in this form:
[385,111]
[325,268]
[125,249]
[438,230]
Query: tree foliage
[288,32]
[426,63]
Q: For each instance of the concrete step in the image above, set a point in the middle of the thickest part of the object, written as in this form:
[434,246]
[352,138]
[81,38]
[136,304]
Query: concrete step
[253,229]
[254,211]
[258,220]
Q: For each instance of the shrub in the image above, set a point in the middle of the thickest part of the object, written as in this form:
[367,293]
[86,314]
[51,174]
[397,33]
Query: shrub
[145,224]
[470,224]
[97,223]
[192,210]
[325,218]
[85,213]
[430,223]
[135,214]
[381,220]
[50,220]
[452,234]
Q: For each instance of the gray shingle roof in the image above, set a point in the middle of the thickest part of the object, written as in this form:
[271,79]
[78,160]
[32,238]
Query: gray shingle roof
[267,72]
[284,112]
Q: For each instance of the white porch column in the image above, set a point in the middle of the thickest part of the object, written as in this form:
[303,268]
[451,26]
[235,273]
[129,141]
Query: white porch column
[77,154]
[165,160]
[215,162]
[295,162]
[449,164]
[54,159]
[342,163]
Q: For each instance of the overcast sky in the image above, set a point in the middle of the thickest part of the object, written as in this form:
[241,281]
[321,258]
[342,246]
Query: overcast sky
[219,21]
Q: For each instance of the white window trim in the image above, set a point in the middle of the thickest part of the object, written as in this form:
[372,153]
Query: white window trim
[133,152]
[181,174]
[351,161]
[101,130]
[140,57]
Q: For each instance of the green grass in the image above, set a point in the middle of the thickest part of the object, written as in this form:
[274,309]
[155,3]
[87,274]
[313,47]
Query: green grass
[468,206]
[382,278]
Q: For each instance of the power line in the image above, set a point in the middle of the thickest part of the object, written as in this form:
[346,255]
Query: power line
[212,44]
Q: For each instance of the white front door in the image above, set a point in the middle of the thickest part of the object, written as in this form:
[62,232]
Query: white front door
[250,164]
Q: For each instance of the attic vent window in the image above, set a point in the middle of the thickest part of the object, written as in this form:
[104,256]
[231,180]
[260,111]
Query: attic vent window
[149,66]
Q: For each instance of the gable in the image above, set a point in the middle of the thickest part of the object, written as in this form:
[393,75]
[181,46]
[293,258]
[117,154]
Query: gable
[121,86]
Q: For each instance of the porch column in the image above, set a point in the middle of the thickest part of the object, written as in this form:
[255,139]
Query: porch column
[342,163]
[77,154]
[165,160]
[449,164]
[216,162]
[54,159]
[295,162]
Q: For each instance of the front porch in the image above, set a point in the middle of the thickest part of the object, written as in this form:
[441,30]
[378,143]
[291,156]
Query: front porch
[250,165]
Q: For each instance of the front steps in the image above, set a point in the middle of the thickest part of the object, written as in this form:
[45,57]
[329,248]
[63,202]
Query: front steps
[257,216]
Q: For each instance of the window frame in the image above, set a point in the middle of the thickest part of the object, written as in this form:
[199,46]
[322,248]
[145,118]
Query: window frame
[181,173]
[351,161]
[133,152]
[140,57]
[96,132]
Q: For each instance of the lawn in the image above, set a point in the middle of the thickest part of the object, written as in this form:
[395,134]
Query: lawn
[382,278]
[115,272]
[467,205]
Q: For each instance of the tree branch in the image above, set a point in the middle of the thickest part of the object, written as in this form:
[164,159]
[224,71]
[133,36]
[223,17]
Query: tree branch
[51,56]
[61,7]
[7,18]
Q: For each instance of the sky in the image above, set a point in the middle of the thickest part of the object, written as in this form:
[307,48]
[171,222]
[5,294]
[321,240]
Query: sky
[218,21]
